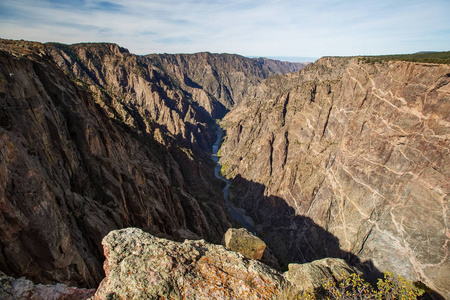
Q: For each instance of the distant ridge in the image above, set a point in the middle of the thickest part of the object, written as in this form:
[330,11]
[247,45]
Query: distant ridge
[290,58]
[424,52]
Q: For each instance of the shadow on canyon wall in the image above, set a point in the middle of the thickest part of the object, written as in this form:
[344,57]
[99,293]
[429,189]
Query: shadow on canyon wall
[295,238]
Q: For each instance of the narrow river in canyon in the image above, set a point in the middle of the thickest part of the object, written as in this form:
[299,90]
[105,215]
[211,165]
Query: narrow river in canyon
[238,214]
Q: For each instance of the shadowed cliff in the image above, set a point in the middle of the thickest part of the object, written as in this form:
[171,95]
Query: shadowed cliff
[69,174]
[295,238]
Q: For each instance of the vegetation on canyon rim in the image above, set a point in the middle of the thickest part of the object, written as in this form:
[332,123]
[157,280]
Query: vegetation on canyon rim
[354,287]
[423,57]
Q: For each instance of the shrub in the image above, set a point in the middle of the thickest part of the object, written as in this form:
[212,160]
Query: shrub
[396,287]
[352,287]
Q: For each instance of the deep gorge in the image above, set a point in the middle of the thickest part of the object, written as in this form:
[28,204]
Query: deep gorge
[341,158]
[237,214]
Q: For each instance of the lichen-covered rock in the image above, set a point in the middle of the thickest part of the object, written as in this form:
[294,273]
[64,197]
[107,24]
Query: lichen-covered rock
[21,289]
[310,276]
[139,265]
[243,241]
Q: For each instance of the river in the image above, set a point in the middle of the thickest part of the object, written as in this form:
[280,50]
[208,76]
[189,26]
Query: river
[237,214]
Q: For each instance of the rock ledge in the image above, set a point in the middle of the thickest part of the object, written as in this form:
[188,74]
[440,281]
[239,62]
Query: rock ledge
[139,265]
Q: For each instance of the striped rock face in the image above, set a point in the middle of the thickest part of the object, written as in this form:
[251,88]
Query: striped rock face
[348,159]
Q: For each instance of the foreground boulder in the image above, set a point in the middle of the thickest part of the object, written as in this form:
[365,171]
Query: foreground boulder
[12,289]
[310,276]
[243,241]
[139,265]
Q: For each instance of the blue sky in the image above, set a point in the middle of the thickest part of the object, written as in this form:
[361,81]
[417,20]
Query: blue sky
[289,28]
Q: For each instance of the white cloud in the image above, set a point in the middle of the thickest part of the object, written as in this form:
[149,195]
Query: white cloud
[265,27]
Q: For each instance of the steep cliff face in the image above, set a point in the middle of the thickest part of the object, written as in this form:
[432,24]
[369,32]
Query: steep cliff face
[349,159]
[136,92]
[75,165]
[182,93]
[220,78]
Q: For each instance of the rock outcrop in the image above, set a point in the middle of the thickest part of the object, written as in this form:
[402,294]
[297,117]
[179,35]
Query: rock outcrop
[140,266]
[22,289]
[243,241]
[348,159]
[313,275]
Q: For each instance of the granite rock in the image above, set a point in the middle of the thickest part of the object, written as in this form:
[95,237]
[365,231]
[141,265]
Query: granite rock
[21,289]
[139,265]
[311,276]
[245,242]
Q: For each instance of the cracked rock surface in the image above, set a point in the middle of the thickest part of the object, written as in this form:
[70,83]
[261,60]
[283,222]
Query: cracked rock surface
[349,159]
[22,289]
[313,275]
[139,265]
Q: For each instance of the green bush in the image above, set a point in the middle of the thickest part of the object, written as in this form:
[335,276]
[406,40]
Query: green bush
[391,287]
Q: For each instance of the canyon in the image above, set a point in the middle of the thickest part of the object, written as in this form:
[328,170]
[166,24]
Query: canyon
[342,158]
[93,139]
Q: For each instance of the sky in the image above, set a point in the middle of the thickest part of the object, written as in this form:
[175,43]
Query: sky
[271,28]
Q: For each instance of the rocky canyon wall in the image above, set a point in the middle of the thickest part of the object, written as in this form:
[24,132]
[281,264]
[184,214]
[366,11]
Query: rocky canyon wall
[349,159]
[222,78]
[70,172]
[136,92]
